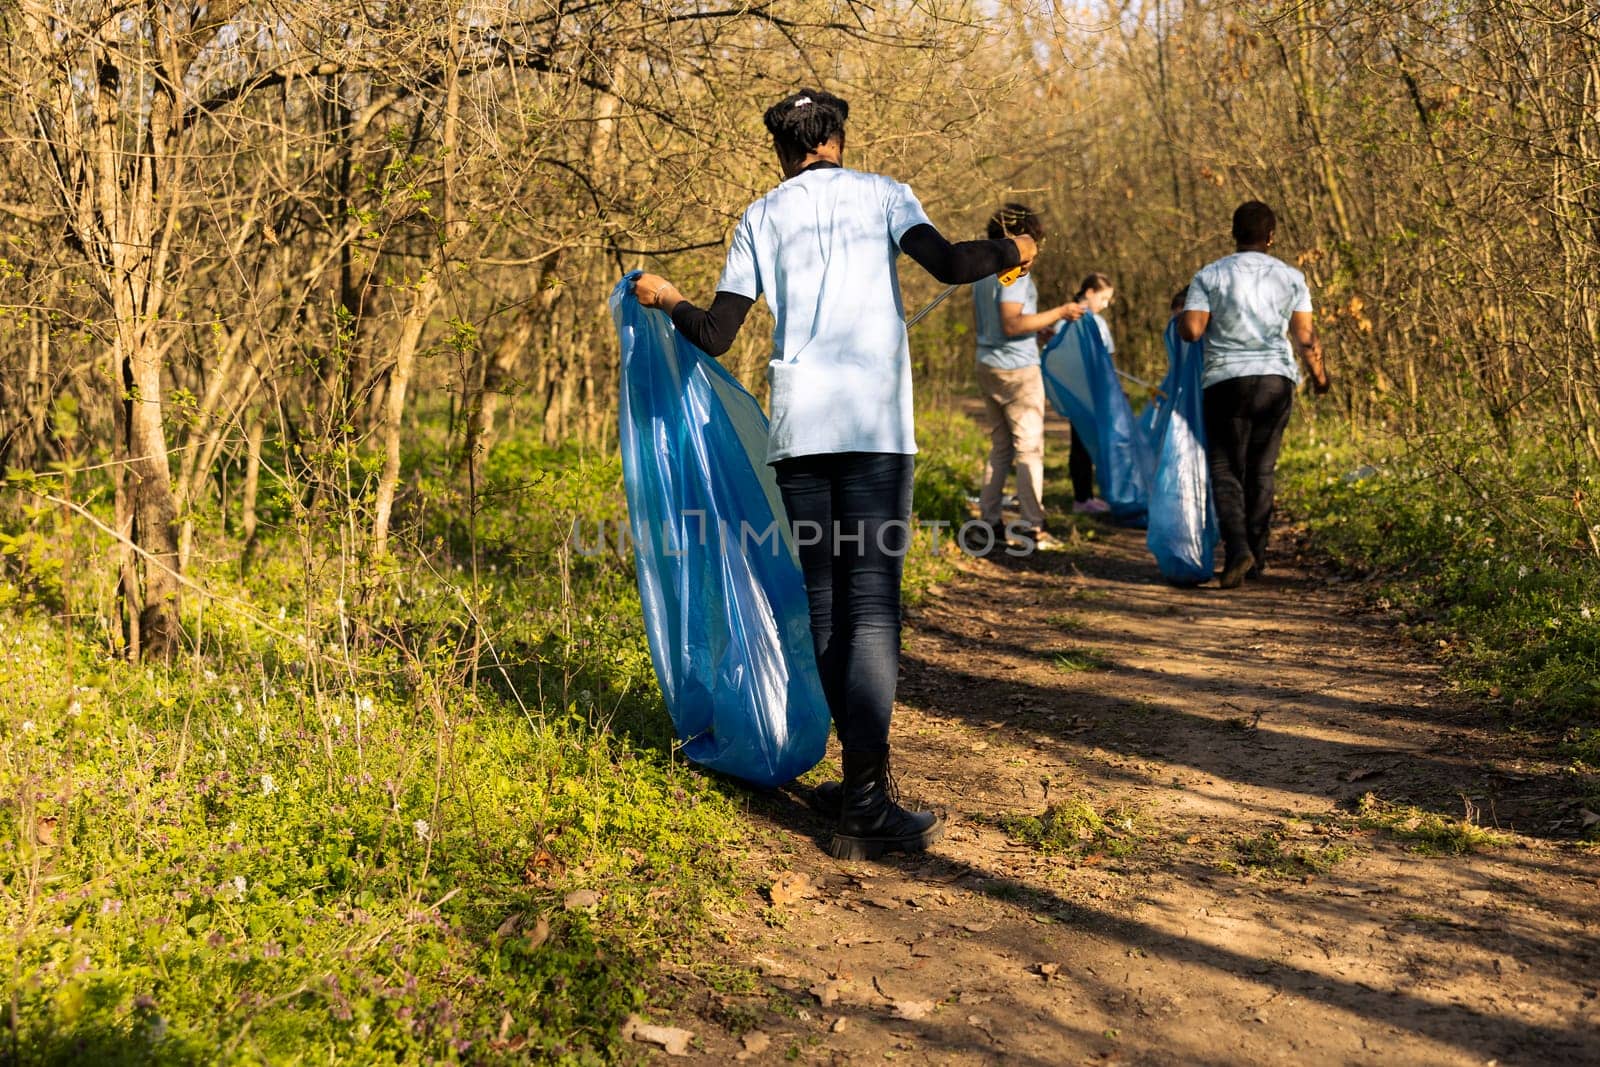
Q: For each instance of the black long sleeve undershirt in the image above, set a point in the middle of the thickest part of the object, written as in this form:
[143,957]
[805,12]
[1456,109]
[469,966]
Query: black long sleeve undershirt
[713,329]
[958,264]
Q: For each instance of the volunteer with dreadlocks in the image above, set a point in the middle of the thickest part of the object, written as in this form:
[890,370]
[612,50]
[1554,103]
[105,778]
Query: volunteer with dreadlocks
[822,248]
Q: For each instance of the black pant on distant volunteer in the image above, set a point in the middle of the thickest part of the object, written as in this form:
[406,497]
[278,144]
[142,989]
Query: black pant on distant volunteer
[1245,419]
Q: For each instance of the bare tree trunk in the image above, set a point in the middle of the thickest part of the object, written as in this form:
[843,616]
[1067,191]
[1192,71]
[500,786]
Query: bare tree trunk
[252,482]
[405,358]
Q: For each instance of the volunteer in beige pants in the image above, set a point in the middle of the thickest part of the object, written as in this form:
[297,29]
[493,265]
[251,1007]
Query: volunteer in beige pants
[1008,373]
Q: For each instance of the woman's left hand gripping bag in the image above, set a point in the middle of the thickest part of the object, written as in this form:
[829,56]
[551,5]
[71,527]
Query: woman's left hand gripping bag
[723,595]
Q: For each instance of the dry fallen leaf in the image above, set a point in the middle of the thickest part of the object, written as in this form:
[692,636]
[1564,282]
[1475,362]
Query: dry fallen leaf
[838,1025]
[755,1042]
[671,1039]
[510,925]
[1047,970]
[789,887]
[827,992]
[912,1009]
[1589,818]
[978,928]
[540,932]
[581,900]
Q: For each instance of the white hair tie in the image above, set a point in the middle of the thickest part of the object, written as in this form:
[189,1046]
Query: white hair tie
[802,102]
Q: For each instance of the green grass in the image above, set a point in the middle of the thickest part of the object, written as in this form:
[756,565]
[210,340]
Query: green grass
[1489,553]
[1424,832]
[346,825]
[1075,828]
[1081,660]
[1483,553]
[1273,854]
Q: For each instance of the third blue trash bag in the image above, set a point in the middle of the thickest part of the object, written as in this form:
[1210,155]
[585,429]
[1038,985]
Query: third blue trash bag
[724,600]
[1183,530]
[1082,385]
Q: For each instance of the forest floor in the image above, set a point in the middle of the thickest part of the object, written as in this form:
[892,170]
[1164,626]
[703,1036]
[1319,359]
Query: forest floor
[1263,829]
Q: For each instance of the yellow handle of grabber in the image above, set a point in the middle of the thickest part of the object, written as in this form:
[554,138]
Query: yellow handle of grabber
[1005,279]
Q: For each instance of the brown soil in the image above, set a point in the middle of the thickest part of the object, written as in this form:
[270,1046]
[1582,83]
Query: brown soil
[1218,723]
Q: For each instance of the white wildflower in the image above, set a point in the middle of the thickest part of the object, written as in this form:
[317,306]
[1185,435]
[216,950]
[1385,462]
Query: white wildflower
[363,705]
[1585,612]
[238,707]
[261,734]
[268,786]
[210,675]
[239,885]
[1522,571]
[75,709]
[27,726]
[422,829]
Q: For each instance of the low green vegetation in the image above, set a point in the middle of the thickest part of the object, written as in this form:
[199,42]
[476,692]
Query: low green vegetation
[353,832]
[1425,832]
[1276,853]
[1467,539]
[433,817]
[1080,660]
[1483,546]
[1074,828]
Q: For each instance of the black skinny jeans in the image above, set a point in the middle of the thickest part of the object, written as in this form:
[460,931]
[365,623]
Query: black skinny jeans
[850,512]
[1080,467]
[1245,420]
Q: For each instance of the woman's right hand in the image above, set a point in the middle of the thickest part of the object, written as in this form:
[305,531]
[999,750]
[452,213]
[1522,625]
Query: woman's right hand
[1027,250]
[655,291]
[1070,312]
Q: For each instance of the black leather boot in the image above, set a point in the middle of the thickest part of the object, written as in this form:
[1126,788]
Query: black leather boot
[870,821]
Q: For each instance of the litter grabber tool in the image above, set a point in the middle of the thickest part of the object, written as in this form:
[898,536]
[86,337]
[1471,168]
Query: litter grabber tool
[1138,381]
[1005,279]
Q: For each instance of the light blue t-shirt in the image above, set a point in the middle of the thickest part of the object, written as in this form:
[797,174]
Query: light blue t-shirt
[1105,333]
[995,349]
[822,248]
[1250,296]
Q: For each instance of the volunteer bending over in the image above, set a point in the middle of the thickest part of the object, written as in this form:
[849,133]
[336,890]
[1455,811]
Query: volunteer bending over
[822,248]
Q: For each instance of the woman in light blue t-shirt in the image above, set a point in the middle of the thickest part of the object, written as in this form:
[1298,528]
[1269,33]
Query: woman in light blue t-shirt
[822,248]
[1254,313]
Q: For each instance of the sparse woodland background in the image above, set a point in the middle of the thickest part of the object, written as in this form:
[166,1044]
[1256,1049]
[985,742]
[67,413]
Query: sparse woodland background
[249,247]
[319,731]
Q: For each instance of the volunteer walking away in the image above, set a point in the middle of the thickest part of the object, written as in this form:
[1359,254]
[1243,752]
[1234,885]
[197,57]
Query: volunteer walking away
[1254,313]
[822,248]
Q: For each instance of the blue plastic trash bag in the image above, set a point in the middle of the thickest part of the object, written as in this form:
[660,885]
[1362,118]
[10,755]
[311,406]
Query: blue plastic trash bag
[1082,385]
[724,599]
[1183,531]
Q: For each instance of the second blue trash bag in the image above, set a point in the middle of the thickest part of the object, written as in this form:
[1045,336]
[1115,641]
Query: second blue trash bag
[1081,382]
[1183,531]
[724,599]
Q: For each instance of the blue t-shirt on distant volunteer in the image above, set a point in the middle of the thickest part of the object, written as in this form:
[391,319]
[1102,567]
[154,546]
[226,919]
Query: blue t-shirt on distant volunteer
[1250,296]
[822,248]
[995,349]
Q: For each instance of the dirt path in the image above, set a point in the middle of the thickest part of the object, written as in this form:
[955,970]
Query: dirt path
[1220,736]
